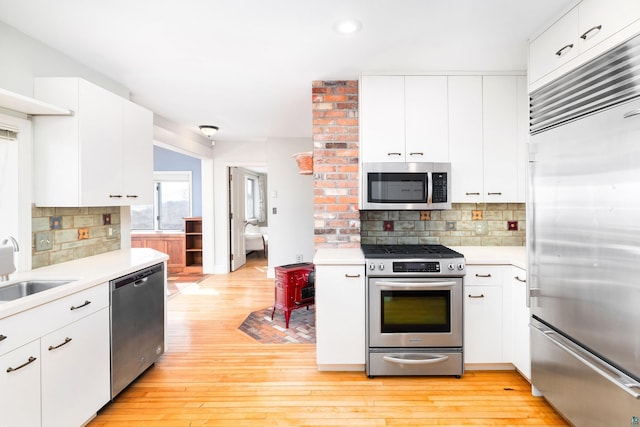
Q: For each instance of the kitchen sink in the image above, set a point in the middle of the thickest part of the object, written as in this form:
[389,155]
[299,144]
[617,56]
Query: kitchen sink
[28,287]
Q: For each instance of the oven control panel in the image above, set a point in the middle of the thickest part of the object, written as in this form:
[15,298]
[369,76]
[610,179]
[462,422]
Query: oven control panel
[385,267]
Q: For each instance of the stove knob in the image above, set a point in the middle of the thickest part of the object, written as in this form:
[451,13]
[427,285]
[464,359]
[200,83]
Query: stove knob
[461,266]
[451,267]
[381,267]
[372,267]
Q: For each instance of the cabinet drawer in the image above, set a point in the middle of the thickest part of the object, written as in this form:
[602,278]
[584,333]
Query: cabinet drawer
[483,275]
[22,328]
[76,306]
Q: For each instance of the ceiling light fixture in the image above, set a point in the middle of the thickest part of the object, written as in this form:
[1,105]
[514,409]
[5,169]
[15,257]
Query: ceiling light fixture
[347,26]
[209,131]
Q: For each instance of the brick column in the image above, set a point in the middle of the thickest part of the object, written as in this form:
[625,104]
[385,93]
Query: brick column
[335,163]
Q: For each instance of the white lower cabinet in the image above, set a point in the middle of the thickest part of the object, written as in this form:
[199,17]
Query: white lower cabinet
[340,317]
[75,368]
[483,324]
[55,361]
[521,347]
[496,317]
[20,386]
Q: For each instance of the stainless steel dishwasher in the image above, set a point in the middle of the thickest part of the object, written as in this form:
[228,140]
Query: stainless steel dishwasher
[137,324]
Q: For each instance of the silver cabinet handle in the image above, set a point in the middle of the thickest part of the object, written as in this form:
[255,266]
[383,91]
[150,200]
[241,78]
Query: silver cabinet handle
[589,31]
[476,296]
[394,154]
[401,361]
[483,275]
[631,114]
[3,337]
[564,49]
[472,194]
[67,340]
[28,362]
[76,307]
[519,279]
[352,276]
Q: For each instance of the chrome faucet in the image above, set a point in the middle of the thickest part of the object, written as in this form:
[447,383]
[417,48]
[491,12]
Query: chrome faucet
[7,265]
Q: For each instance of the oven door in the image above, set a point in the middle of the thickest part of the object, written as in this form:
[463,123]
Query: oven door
[415,312]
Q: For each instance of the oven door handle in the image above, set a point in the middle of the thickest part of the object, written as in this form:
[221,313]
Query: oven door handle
[416,359]
[412,285]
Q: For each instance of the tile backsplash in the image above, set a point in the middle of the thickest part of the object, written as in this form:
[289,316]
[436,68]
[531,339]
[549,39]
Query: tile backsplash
[66,234]
[466,224]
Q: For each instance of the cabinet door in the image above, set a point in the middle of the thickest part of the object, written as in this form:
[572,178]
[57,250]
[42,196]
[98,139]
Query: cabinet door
[500,138]
[599,20]
[100,136]
[522,138]
[426,123]
[483,324]
[521,342]
[382,131]
[340,315]
[20,387]
[465,138]
[555,47]
[137,154]
[76,368]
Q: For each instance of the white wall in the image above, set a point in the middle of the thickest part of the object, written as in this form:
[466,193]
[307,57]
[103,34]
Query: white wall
[291,228]
[24,58]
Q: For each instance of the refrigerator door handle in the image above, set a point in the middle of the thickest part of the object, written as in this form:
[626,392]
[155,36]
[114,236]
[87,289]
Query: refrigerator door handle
[620,380]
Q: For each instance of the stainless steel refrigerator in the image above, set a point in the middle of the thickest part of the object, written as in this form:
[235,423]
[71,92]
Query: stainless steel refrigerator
[584,240]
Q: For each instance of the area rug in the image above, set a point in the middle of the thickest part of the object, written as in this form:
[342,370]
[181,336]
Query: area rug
[302,326]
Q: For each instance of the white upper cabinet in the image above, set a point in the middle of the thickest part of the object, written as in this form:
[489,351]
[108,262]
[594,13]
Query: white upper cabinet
[500,138]
[554,47]
[100,156]
[426,130]
[382,119]
[587,30]
[404,119]
[465,138]
[487,138]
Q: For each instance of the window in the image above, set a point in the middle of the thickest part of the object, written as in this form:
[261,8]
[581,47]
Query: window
[172,203]
[250,186]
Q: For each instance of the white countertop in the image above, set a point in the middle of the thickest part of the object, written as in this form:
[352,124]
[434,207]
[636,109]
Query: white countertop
[499,255]
[338,256]
[85,273]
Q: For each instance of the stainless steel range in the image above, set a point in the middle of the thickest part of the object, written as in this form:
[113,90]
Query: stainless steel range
[414,310]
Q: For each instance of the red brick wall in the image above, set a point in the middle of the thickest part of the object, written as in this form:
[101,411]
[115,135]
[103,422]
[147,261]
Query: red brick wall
[335,163]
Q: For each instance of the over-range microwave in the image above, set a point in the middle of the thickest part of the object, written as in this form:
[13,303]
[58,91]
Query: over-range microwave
[406,186]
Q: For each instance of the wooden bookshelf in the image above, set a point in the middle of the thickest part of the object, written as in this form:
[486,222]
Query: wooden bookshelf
[193,244]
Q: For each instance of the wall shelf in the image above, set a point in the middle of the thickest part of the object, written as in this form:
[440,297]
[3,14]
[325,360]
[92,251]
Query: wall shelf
[23,104]
[193,244]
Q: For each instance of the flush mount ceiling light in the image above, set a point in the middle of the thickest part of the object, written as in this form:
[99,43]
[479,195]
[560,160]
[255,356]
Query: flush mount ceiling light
[209,131]
[347,26]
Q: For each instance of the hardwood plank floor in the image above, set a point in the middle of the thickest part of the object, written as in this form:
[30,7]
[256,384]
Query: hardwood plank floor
[215,375]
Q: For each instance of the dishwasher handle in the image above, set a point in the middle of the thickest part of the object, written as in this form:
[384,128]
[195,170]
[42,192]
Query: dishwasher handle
[138,278]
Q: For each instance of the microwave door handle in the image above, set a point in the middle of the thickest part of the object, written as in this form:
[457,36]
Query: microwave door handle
[414,284]
[429,188]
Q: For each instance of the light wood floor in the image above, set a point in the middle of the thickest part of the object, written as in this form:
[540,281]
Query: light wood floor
[214,375]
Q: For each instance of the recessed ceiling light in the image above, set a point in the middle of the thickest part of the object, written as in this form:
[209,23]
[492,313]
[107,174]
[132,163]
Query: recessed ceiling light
[347,26]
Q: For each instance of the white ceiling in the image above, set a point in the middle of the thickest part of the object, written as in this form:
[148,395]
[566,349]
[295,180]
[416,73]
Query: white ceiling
[247,65]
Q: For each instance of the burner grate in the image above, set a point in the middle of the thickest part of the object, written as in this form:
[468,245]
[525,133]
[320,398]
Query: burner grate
[409,251]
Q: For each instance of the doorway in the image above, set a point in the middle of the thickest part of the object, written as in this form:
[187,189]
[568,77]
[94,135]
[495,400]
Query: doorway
[248,227]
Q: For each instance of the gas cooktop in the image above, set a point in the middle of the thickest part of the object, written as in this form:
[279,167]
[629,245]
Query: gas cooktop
[409,251]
